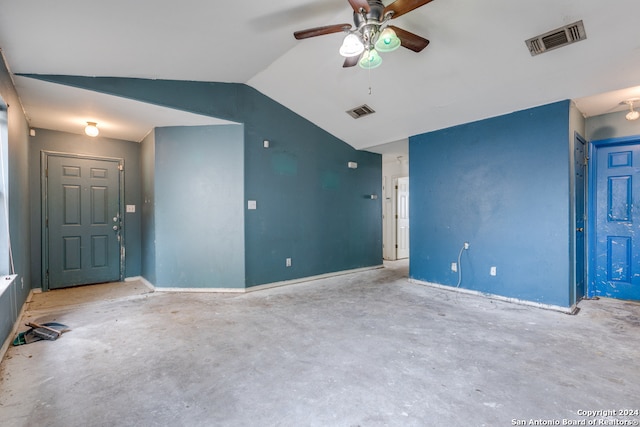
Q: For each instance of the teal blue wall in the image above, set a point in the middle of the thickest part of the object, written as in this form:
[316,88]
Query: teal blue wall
[147,211]
[49,140]
[199,222]
[311,207]
[501,184]
[18,186]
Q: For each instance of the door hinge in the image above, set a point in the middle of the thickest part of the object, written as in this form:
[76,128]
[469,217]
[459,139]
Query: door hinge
[586,160]
[396,246]
[46,173]
[120,168]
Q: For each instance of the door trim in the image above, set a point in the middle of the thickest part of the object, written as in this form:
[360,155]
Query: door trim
[44,233]
[574,297]
[590,225]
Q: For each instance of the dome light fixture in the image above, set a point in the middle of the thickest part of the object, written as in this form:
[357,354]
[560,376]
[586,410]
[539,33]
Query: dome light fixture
[370,59]
[351,46]
[92,129]
[632,114]
[388,41]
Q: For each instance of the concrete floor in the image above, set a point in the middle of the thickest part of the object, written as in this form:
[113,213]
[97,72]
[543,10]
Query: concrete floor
[363,349]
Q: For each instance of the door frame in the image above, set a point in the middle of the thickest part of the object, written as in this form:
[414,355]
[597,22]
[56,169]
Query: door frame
[575,297]
[591,195]
[44,208]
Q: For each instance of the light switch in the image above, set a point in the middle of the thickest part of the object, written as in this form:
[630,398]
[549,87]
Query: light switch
[131,208]
[252,204]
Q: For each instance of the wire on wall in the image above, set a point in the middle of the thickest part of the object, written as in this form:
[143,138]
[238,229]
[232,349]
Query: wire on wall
[464,247]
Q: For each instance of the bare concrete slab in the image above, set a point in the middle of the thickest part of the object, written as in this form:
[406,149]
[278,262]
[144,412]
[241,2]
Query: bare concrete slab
[364,349]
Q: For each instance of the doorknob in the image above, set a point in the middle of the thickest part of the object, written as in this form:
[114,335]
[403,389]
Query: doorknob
[580,229]
[115,228]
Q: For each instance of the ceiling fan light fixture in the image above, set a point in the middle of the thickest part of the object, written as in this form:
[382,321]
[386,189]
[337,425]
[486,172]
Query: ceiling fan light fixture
[351,46]
[371,59]
[388,41]
[632,114]
[92,129]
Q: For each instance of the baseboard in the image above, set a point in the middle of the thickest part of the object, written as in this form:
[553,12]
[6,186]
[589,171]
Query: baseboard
[253,288]
[16,326]
[310,278]
[141,279]
[567,310]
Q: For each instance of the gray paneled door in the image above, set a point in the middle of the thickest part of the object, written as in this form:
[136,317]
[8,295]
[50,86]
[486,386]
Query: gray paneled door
[82,220]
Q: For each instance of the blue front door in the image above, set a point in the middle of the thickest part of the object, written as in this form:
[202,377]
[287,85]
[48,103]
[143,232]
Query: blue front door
[82,221]
[616,261]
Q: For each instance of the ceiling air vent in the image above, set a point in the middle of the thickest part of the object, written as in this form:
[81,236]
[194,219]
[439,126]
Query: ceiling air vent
[557,38]
[360,111]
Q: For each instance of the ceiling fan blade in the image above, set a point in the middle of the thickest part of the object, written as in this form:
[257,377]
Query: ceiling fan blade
[400,7]
[320,31]
[409,40]
[351,61]
[358,5]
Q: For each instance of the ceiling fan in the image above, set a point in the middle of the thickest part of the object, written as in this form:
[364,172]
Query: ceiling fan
[371,32]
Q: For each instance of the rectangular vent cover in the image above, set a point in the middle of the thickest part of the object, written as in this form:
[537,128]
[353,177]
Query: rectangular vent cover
[360,111]
[556,38]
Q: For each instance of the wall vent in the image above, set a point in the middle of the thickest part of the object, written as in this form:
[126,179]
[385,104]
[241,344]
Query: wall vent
[556,38]
[363,110]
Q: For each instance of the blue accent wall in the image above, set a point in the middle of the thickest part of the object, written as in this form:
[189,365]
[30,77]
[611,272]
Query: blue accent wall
[17,163]
[310,206]
[199,199]
[148,220]
[501,184]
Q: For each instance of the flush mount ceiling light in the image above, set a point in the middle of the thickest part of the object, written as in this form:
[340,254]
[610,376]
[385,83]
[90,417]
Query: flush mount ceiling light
[91,129]
[632,114]
[371,32]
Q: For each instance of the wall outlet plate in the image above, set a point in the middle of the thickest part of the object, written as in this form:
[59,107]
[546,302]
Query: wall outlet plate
[454,267]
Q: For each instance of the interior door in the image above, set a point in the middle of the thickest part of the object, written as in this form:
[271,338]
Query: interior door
[82,221]
[617,256]
[402,222]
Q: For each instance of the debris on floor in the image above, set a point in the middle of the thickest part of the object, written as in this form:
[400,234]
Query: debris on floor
[40,331]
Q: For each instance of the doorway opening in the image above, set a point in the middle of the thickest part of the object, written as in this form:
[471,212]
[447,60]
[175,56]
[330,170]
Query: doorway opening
[395,186]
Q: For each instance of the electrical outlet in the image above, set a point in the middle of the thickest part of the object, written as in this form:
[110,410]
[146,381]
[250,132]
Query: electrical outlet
[287,262]
[493,271]
[466,245]
[454,267]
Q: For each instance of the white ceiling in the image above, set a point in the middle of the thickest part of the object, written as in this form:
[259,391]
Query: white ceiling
[476,66]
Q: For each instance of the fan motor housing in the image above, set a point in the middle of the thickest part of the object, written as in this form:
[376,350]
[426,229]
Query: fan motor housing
[376,14]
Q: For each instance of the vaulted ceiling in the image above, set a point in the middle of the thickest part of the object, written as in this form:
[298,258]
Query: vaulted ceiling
[476,65]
